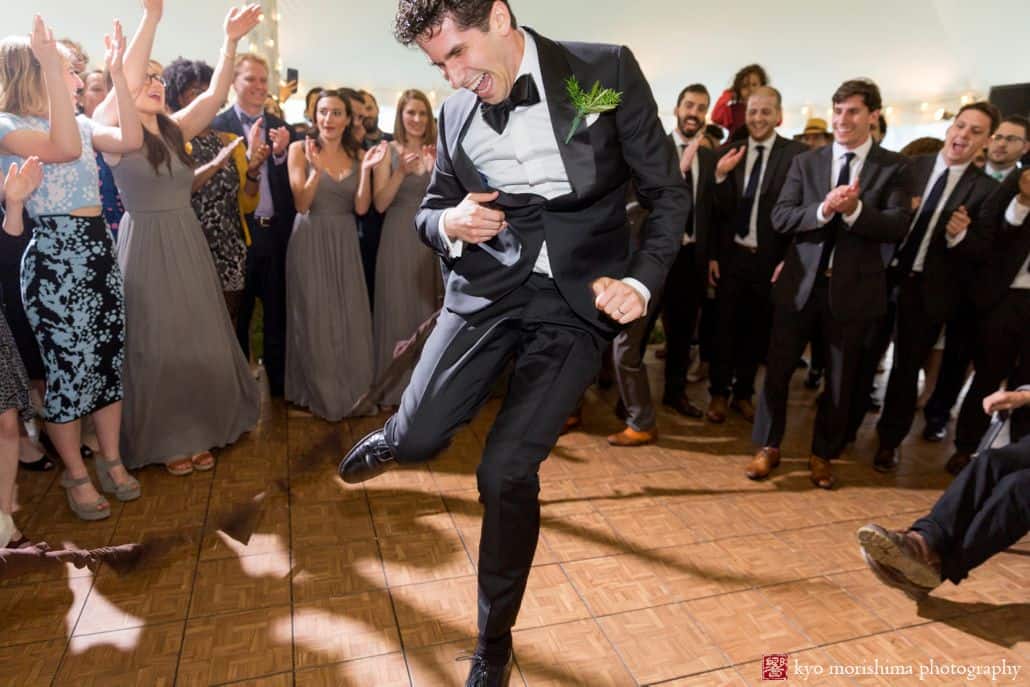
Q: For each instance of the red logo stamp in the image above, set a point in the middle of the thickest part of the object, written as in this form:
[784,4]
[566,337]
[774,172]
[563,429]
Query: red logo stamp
[774,667]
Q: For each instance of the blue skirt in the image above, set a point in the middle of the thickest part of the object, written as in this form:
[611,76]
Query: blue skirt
[72,290]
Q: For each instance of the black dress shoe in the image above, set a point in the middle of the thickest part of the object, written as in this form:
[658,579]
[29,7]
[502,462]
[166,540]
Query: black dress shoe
[369,458]
[682,405]
[814,378]
[958,460]
[886,460]
[484,673]
[935,432]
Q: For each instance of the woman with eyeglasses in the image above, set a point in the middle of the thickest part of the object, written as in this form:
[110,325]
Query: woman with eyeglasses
[70,282]
[328,324]
[188,388]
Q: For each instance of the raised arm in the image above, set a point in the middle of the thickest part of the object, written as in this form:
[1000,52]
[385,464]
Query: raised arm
[197,115]
[128,135]
[62,143]
[136,57]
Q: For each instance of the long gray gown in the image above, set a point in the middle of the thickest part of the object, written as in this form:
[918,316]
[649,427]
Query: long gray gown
[188,387]
[408,279]
[328,326]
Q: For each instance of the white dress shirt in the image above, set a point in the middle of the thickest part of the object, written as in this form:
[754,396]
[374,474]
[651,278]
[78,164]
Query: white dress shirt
[1016,214]
[838,152]
[751,240]
[695,175]
[938,169]
[524,158]
[998,173]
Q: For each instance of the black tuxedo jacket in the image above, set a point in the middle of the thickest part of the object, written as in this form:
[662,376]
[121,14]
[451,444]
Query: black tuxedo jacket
[279,175]
[729,198]
[1008,248]
[586,230]
[947,272]
[858,287]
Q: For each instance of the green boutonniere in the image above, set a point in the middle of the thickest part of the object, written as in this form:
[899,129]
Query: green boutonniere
[594,101]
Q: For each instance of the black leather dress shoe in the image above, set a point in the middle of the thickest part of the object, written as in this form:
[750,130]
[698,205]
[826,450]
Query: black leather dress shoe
[935,432]
[682,405]
[814,378]
[369,458]
[484,673]
[958,460]
[886,460]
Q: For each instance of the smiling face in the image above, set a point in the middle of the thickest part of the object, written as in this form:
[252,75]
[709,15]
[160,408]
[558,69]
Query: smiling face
[1008,145]
[94,92]
[415,117]
[251,86]
[763,114]
[691,113]
[71,78]
[966,135]
[332,118]
[151,97]
[484,62]
[852,120]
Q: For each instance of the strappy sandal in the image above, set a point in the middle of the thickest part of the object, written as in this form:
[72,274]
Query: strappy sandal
[100,509]
[126,491]
[180,468]
[202,462]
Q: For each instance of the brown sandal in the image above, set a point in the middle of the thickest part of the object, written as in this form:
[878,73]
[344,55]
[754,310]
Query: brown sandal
[203,461]
[180,468]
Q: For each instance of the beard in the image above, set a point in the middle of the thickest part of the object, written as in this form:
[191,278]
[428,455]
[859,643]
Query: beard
[371,124]
[689,126]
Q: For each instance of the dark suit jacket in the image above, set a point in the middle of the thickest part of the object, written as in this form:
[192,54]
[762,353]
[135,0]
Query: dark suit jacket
[1008,249]
[729,198]
[858,287]
[279,176]
[586,231]
[947,271]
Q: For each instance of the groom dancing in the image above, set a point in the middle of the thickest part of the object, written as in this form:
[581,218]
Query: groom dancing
[526,207]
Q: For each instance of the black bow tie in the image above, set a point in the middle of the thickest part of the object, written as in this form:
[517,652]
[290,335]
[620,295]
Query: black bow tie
[523,92]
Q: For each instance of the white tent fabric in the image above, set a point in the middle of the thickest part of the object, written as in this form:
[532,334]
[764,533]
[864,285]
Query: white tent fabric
[925,54]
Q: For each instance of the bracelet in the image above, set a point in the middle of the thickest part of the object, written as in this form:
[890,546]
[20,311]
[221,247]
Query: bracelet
[254,178]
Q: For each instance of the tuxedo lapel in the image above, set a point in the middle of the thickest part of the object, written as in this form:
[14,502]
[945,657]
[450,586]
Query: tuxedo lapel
[578,153]
[464,111]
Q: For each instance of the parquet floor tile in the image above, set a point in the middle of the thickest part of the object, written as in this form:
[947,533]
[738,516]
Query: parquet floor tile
[745,626]
[235,646]
[126,658]
[823,610]
[441,665]
[571,654]
[234,584]
[381,671]
[30,664]
[39,611]
[343,629]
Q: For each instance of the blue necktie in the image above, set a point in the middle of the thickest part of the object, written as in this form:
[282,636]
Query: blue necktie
[843,179]
[907,255]
[744,213]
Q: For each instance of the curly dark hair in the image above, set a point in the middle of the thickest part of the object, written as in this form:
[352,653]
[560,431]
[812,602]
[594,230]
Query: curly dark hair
[424,17]
[741,77]
[180,75]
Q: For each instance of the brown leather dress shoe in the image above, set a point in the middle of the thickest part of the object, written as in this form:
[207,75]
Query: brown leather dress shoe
[572,422]
[744,407]
[822,473]
[958,460]
[909,564]
[716,410]
[631,437]
[764,462]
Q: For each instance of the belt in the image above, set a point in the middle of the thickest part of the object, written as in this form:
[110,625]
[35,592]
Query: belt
[264,221]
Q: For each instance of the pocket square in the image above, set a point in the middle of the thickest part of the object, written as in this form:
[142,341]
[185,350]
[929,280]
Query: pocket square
[591,118]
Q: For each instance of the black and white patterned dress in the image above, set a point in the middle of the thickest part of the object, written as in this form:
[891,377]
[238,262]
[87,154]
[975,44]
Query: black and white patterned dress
[14,382]
[218,209]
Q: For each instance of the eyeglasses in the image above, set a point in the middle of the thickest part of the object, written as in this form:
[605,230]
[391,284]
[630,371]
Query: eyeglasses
[158,78]
[998,138]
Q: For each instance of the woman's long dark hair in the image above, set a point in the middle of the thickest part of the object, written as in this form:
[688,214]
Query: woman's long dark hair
[350,145]
[156,148]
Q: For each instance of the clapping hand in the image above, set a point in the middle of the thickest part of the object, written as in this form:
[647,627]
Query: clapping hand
[280,139]
[20,183]
[689,152]
[429,157]
[959,222]
[728,162]
[226,151]
[240,20]
[314,155]
[257,150]
[374,156]
[412,163]
[114,50]
[843,199]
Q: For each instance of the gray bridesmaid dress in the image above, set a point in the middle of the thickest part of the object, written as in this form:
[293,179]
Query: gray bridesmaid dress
[329,360]
[408,279]
[188,387]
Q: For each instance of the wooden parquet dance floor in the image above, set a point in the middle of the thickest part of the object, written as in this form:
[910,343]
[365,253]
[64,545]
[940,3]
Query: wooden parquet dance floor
[658,565]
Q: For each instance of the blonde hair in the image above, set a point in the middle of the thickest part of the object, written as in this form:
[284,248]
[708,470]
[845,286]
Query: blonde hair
[249,57]
[22,89]
[400,134]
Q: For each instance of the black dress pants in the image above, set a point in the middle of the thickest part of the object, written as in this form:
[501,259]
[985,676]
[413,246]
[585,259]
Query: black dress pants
[681,299]
[1002,352]
[985,510]
[265,279]
[744,321]
[843,350]
[556,356]
[916,336]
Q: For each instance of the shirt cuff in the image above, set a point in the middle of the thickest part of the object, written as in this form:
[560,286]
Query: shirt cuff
[1016,212]
[644,292]
[454,247]
[955,240]
[850,219]
[820,217]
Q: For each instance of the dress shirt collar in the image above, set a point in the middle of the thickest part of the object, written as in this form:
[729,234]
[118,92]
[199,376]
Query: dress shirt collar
[681,140]
[995,171]
[861,152]
[956,170]
[767,143]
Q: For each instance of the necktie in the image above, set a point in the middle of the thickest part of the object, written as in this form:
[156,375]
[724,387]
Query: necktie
[998,176]
[523,92]
[907,255]
[843,179]
[744,211]
[248,121]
